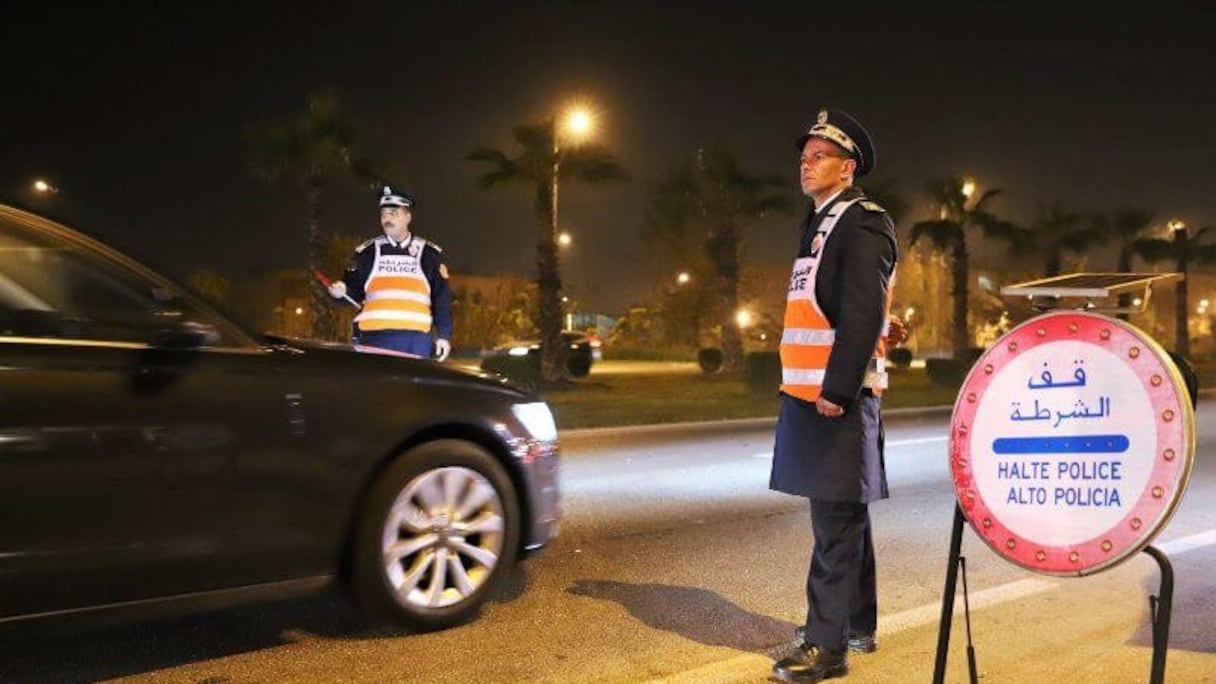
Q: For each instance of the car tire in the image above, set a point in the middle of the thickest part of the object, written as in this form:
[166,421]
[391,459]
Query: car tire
[439,531]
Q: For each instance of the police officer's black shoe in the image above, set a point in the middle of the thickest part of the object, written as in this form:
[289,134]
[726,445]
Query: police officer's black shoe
[807,664]
[863,643]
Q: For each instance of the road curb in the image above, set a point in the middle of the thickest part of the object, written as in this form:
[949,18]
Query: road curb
[745,423]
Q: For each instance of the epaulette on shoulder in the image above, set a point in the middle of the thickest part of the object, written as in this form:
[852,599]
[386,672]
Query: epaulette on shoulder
[872,207]
[437,247]
[365,245]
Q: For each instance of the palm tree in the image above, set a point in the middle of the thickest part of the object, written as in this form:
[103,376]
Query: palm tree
[1125,227]
[541,165]
[312,149]
[957,218]
[212,286]
[712,201]
[1182,250]
[886,194]
[1059,229]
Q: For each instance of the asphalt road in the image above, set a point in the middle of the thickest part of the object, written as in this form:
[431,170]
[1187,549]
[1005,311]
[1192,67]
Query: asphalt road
[676,564]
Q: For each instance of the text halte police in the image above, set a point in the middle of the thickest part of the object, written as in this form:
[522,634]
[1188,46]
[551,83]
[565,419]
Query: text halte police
[1071,491]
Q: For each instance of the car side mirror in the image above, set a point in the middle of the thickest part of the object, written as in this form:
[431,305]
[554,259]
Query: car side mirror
[186,335]
[33,323]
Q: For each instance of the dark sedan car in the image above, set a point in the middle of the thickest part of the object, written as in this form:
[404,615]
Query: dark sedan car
[153,453]
[581,352]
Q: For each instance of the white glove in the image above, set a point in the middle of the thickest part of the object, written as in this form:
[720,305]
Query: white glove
[337,289]
[442,349]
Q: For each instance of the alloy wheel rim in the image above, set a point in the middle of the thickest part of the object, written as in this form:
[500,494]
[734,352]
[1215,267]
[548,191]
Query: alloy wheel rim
[442,537]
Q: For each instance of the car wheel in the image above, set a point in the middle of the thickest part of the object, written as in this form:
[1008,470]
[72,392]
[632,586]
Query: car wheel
[439,531]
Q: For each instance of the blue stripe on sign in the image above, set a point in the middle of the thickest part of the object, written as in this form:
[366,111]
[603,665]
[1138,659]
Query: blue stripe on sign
[1077,444]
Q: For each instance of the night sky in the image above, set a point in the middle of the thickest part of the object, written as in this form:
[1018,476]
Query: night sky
[135,110]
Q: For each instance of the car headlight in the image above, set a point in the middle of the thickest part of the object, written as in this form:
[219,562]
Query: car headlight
[517,351]
[537,419]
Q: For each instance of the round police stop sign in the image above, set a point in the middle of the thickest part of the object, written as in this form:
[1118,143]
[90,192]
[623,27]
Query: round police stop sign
[1071,443]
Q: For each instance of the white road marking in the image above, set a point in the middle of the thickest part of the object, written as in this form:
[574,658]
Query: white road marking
[750,667]
[892,443]
[1181,545]
[918,440]
[929,614]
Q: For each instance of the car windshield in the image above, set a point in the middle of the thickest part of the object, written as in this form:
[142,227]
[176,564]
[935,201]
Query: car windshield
[54,286]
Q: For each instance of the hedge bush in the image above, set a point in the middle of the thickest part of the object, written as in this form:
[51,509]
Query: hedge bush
[762,372]
[710,359]
[947,372]
[578,364]
[900,357]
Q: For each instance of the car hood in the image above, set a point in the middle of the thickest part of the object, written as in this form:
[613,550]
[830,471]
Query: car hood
[390,365]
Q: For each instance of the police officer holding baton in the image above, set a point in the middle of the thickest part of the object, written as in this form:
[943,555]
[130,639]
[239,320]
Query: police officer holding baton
[401,283]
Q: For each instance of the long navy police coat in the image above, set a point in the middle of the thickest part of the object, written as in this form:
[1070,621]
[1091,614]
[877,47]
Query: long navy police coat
[841,459]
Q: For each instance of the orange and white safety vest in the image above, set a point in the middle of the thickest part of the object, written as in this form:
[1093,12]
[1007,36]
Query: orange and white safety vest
[807,340]
[398,296]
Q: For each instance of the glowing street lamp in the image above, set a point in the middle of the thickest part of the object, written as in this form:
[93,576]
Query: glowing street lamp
[564,239]
[579,122]
[968,187]
[683,278]
[743,318]
[43,187]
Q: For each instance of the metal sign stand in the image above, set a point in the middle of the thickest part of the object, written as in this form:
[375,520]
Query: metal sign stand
[956,559]
[1045,295]
[1160,607]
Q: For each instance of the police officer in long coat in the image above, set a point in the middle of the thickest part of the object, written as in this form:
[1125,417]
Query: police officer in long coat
[829,439]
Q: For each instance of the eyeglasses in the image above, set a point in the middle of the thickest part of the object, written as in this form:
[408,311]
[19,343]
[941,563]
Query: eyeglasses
[816,157]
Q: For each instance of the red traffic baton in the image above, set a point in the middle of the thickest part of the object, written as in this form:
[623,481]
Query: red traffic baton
[327,283]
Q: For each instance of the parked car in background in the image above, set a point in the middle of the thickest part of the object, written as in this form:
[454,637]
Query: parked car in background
[153,453]
[581,351]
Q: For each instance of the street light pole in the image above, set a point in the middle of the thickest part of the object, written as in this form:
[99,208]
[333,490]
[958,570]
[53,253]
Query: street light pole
[557,161]
[578,122]
[1182,336]
[550,282]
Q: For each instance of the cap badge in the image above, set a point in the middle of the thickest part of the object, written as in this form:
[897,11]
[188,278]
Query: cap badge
[823,117]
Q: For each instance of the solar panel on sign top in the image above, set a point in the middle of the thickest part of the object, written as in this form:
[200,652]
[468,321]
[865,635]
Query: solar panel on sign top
[1089,285]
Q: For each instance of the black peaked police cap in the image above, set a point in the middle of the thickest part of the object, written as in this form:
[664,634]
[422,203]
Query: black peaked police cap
[844,130]
[392,197]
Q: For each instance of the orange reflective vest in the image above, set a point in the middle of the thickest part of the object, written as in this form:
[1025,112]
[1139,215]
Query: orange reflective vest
[806,343]
[398,296]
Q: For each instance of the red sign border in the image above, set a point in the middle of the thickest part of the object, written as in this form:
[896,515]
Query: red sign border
[1172,464]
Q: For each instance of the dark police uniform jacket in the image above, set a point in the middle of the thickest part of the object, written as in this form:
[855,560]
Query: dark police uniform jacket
[841,459]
